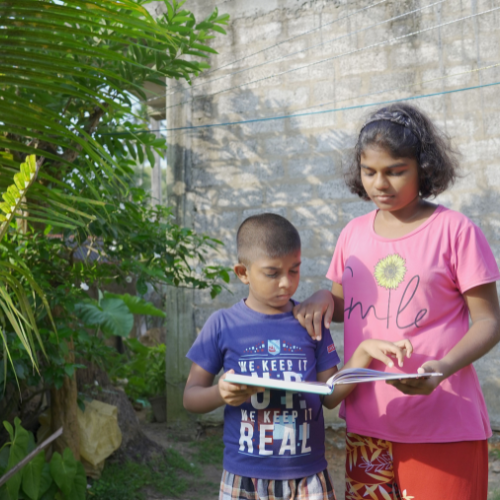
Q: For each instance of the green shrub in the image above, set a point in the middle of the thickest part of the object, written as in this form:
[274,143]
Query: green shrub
[63,478]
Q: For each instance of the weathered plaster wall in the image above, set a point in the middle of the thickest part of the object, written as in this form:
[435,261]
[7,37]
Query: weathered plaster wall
[218,176]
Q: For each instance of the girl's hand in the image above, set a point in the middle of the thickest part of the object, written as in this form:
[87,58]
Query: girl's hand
[236,394]
[421,386]
[310,313]
[384,351]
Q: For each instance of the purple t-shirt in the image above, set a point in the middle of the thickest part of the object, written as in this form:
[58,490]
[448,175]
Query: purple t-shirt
[275,434]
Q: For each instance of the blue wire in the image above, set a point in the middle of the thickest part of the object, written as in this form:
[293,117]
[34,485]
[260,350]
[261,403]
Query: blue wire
[310,113]
[332,110]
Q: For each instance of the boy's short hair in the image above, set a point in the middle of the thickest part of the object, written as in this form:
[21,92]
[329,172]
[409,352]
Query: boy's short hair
[268,234]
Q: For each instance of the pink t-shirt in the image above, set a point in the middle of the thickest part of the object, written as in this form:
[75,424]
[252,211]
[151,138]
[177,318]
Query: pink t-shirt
[411,287]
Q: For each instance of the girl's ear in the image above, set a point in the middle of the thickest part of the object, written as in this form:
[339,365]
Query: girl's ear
[242,272]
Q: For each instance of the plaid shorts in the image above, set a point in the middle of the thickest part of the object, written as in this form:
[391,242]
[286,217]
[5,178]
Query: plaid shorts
[316,487]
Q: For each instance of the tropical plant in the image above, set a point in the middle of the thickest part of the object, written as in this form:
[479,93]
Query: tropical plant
[143,369]
[15,306]
[62,478]
[71,73]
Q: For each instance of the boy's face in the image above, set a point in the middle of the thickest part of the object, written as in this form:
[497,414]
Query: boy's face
[272,282]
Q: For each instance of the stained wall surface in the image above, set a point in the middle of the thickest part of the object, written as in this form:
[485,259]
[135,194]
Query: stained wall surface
[328,63]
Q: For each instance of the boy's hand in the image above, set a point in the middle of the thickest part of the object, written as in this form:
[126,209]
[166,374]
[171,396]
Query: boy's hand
[384,351]
[236,394]
[310,313]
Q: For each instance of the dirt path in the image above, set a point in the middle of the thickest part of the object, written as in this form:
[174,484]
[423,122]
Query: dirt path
[205,453]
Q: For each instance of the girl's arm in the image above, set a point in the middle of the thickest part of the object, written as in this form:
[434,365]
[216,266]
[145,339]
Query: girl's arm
[482,336]
[200,396]
[323,303]
[362,357]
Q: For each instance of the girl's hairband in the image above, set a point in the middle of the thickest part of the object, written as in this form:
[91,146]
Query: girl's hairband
[394,117]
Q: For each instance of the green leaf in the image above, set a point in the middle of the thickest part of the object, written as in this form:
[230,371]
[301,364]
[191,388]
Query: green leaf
[141,286]
[4,458]
[32,476]
[4,494]
[79,490]
[18,450]
[137,347]
[112,315]
[136,305]
[63,470]
[46,481]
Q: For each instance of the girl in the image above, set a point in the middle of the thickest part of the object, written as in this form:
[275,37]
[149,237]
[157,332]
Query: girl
[412,270]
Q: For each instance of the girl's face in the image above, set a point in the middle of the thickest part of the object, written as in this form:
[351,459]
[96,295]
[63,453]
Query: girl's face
[391,183]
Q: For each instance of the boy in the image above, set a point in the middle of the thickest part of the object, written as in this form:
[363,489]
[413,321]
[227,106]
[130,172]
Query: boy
[274,440]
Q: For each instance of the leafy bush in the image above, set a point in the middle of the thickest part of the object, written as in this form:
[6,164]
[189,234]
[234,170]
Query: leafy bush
[63,478]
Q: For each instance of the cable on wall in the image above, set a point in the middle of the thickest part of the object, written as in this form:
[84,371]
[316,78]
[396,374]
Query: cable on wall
[297,36]
[355,51]
[302,111]
[331,40]
[332,110]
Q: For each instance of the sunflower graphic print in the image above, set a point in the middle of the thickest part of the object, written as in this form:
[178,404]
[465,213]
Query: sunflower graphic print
[389,274]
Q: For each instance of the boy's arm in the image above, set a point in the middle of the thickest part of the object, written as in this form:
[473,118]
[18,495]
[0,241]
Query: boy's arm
[201,396]
[362,357]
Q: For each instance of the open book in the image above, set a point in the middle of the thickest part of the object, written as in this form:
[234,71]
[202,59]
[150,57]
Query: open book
[348,376]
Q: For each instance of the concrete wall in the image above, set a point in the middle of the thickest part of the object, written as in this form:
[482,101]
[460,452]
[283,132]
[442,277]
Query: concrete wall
[218,176]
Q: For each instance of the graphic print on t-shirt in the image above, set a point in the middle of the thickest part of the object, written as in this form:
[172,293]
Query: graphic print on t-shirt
[275,423]
[390,272]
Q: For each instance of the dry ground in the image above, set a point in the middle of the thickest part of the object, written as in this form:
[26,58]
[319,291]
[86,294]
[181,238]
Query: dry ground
[205,484]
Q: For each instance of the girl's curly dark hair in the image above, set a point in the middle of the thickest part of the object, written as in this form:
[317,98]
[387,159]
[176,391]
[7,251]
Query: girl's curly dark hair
[406,132]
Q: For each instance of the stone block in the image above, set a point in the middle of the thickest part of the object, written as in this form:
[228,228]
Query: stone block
[315,215]
[314,267]
[263,127]
[286,145]
[264,209]
[267,170]
[324,91]
[327,165]
[287,98]
[243,197]
[240,150]
[259,34]
[333,140]
[355,209]
[460,76]
[334,190]
[314,121]
[372,61]
[489,23]
[243,101]
[493,174]
[202,198]
[288,194]
[460,51]
[209,222]
[326,239]
[307,239]
[296,26]
[391,81]
[210,175]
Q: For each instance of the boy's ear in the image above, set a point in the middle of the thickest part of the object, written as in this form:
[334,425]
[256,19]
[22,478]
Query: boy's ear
[242,272]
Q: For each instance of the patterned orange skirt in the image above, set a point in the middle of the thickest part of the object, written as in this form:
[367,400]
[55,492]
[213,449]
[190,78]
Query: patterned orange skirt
[382,470]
